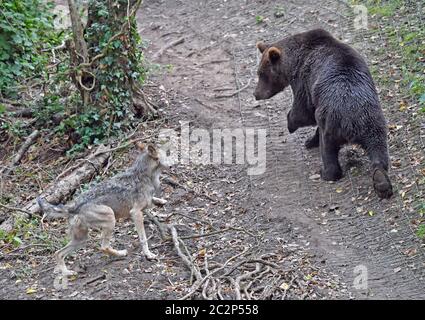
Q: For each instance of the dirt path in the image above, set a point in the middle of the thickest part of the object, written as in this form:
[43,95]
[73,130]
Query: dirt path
[343,223]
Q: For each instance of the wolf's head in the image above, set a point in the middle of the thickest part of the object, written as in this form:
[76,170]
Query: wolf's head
[151,160]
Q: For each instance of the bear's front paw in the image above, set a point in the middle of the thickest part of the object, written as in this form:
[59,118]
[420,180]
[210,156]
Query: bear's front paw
[331,174]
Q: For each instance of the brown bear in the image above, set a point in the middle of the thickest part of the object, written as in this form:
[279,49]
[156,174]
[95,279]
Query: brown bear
[333,89]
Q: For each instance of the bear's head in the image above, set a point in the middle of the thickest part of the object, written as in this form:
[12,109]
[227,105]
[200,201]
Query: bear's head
[272,77]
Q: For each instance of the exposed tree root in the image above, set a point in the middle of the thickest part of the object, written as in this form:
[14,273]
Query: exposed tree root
[161,51]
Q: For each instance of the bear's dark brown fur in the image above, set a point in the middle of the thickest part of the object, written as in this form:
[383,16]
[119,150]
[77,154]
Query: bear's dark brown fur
[332,89]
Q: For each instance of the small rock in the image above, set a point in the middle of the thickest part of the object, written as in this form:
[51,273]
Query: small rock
[125,271]
[284,286]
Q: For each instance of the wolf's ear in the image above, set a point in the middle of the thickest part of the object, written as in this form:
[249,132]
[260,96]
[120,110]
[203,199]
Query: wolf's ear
[274,54]
[261,46]
[140,146]
[152,152]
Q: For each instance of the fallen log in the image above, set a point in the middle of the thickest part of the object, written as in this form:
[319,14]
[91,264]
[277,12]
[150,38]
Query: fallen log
[60,191]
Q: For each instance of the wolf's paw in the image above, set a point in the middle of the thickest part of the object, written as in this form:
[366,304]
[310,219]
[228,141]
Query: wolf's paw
[333,174]
[68,272]
[65,271]
[158,201]
[149,255]
[113,252]
[382,184]
[121,253]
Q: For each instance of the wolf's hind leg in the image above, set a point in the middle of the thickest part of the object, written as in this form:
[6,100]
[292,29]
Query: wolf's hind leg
[79,234]
[104,217]
[106,243]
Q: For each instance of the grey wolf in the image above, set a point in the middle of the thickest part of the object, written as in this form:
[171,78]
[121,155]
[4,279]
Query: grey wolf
[126,195]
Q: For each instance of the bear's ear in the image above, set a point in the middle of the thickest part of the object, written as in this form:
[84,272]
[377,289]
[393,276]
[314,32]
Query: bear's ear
[274,54]
[261,46]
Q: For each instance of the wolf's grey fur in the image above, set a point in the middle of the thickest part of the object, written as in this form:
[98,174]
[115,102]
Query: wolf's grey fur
[126,195]
[332,89]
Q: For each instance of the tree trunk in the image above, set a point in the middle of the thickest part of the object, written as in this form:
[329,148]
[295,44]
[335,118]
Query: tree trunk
[78,53]
[112,30]
[106,63]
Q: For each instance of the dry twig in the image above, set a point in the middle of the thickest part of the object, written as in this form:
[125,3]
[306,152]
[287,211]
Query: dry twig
[22,150]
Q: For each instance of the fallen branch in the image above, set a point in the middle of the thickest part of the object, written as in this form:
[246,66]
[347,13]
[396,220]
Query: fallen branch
[97,278]
[24,113]
[61,190]
[198,284]
[174,183]
[205,235]
[162,229]
[213,62]
[22,150]
[161,51]
[9,208]
[233,93]
[193,268]
[242,277]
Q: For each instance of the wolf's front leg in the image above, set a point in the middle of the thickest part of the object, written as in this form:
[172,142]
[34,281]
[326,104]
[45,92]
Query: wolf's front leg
[137,215]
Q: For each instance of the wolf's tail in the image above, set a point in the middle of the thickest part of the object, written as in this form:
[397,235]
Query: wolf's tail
[52,211]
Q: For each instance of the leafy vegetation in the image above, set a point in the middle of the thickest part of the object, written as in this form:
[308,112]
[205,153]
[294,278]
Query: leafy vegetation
[420,232]
[26,27]
[399,26]
[27,35]
[406,40]
[259,19]
[23,230]
[115,74]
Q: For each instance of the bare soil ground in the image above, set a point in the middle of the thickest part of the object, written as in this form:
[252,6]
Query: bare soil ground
[290,235]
